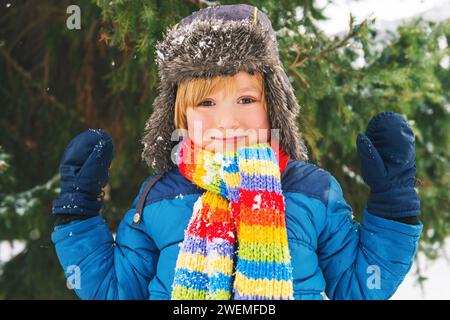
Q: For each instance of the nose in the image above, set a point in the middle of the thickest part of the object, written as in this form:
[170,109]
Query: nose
[227,118]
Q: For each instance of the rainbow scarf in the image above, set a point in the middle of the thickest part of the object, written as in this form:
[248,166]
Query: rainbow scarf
[242,208]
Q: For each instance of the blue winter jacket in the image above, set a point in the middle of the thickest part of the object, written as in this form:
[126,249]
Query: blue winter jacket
[331,253]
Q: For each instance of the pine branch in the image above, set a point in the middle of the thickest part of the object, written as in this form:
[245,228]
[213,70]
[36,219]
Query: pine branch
[33,83]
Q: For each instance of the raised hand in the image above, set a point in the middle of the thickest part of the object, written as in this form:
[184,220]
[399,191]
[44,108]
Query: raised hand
[84,172]
[388,166]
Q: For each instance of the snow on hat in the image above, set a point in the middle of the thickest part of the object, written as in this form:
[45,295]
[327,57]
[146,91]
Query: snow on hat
[220,41]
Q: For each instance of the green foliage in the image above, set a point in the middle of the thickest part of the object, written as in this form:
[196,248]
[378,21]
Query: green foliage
[404,75]
[56,82]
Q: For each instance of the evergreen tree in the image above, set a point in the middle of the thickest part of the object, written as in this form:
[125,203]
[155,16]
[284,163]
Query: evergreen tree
[56,82]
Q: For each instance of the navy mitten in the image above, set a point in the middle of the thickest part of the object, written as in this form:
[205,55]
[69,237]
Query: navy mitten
[84,172]
[388,166]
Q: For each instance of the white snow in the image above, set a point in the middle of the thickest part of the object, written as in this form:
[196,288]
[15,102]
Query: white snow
[445,62]
[437,284]
[198,205]
[179,40]
[388,13]
[218,157]
[23,204]
[225,164]
[442,42]
[160,55]
[257,205]
[9,250]
[213,255]
[212,167]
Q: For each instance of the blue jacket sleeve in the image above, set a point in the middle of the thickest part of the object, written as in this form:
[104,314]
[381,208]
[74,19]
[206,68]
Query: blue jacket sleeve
[363,261]
[99,267]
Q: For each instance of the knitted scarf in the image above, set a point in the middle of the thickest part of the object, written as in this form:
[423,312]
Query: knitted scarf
[242,208]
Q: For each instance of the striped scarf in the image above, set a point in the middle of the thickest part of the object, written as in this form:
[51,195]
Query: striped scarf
[242,208]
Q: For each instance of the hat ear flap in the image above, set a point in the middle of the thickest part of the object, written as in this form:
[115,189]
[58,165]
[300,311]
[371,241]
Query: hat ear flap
[157,138]
[283,110]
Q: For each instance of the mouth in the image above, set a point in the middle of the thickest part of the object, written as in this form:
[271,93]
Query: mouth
[228,139]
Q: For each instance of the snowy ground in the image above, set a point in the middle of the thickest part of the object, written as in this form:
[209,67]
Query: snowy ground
[437,286]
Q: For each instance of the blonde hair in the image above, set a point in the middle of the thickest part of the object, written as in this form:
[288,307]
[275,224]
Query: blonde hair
[191,92]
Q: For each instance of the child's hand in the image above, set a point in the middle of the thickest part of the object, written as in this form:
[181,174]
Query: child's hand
[388,166]
[84,172]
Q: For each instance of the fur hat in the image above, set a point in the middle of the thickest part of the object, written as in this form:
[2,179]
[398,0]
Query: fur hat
[220,40]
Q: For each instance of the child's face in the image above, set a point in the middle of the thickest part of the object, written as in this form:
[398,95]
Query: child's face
[221,122]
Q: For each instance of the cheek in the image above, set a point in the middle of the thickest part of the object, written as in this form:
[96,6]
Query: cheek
[258,122]
[198,123]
